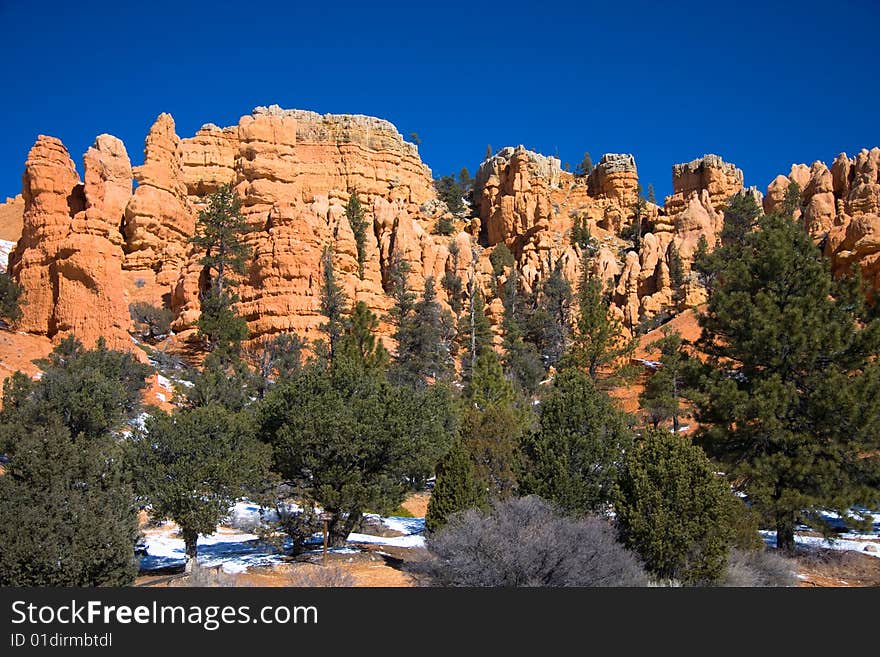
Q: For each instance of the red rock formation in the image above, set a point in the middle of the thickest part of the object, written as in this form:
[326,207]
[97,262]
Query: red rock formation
[69,258]
[158,219]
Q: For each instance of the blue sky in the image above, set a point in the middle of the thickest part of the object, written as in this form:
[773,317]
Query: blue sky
[762,84]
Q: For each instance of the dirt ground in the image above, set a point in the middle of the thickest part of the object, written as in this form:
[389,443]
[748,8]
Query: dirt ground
[837,568]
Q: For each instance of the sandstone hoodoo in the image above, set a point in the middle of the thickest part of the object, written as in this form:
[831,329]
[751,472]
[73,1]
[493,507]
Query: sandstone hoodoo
[69,257]
[87,248]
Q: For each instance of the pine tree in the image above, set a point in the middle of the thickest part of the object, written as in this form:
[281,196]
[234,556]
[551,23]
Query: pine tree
[358,222]
[347,440]
[662,395]
[219,230]
[652,198]
[585,168]
[489,152]
[10,298]
[791,405]
[277,357]
[67,514]
[359,343]
[493,424]
[672,509]
[791,203]
[457,487]
[334,305]
[474,332]
[599,343]
[741,216]
[220,327]
[522,362]
[676,270]
[572,459]
[548,326]
[452,281]
[501,258]
[639,210]
[424,339]
[191,466]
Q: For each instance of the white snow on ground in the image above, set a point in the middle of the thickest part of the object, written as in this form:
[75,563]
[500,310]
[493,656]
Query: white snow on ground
[651,364]
[391,541]
[237,549]
[5,248]
[164,382]
[233,550]
[160,396]
[848,543]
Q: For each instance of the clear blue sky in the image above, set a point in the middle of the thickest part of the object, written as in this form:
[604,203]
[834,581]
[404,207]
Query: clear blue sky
[762,84]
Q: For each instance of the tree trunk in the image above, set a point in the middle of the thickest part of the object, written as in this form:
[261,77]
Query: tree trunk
[340,528]
[785,531]
[190,539]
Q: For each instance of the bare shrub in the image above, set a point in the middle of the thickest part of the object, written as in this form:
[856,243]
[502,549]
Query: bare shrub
[525,542]
[202,576]
[759,568]
[320,576]
[153,322]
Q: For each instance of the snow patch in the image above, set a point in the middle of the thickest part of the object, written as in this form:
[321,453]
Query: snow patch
[164,382]
[5,249]
[391,541]
[160,397]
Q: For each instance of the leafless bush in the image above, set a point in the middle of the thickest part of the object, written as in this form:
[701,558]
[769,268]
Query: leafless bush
[525,542]
[320,576]
[202,576]
[758,568]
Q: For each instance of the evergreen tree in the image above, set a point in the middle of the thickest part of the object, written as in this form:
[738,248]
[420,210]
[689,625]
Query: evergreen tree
[547,326]
[192,466]
[10,298]
[671,508]
[219,230]
[220,327]
[464,179]
[451,193]
[67,515]
[661,398]
[791,404]
[153,322]
[639,210]
[572,459]
[424,342]
[334,305]
[599,343]
[582,238]
[522,362]
[704,264]
[359,343]
[277,357]
[359,226]
[347,440]
[791,203]
[457,487]
[224,380]
[493,425]
[676,270]
[95,391]
[501,258]
[741,216]
[652,198]
[475,332]
[585,168]
[452,282]
[489,152]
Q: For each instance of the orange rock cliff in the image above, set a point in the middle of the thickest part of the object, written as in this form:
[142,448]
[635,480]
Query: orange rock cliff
[86,249]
